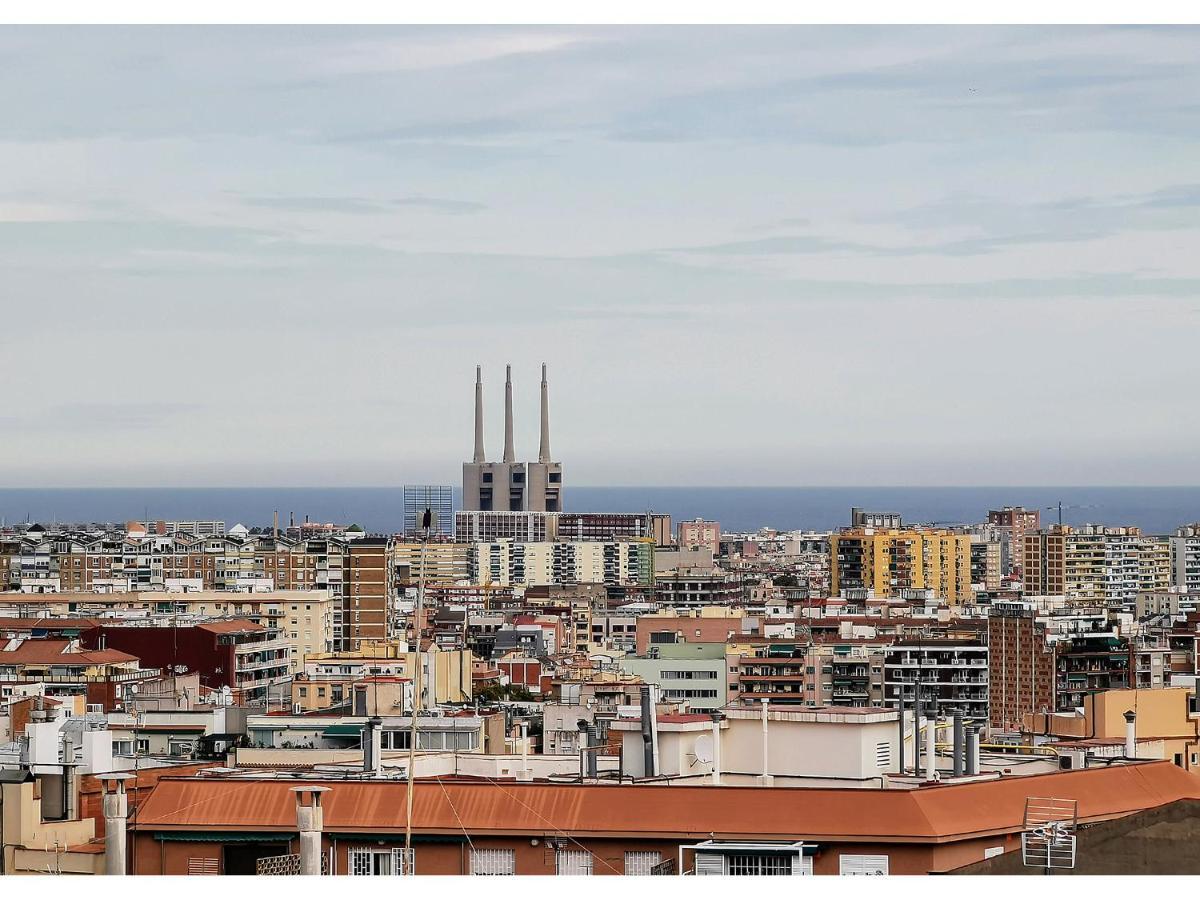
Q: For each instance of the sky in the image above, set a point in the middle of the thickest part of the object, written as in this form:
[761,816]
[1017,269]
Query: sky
[748,255]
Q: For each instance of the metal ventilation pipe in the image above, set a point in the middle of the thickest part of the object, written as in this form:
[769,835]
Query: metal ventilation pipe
[1130,734]
[647,733]
[959,747]
[931,750]
[717,718]
[900,719]
[766,778]
[116,814]
[372,745]
[593,752]
[310,822]
[972,750]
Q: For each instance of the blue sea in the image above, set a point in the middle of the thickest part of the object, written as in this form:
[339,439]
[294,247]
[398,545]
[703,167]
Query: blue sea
[1157,510]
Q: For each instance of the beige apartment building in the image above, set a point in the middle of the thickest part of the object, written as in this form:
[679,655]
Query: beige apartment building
[889,560]
[445,563]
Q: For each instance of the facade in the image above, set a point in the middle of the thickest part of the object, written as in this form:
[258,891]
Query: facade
[951,675]
[696,534]
[510,485]
[437,497]
[249,659]
[368,592]
[689,587]
[444,562]
[508,563]
[1020,665]
[1096,564]
[889,561]
[1185,558]
[692,673]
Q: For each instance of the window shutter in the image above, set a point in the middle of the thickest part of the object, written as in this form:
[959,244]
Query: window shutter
[200,866]
[710,864]
[862,865]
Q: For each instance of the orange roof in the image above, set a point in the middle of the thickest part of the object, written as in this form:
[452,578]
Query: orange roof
[53,651]
[14,624]
[927,815]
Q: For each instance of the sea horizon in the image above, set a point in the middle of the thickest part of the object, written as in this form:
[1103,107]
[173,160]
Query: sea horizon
[1157,509]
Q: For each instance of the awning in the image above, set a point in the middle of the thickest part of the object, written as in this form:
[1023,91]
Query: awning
[342,731]
[226,837]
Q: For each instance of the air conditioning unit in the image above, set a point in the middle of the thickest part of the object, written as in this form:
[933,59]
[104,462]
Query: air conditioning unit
[1070,760]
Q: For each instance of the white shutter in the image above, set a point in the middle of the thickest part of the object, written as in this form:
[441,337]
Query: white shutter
[710,864]
[802,865]
[641,862]
[862,865]
[573,862]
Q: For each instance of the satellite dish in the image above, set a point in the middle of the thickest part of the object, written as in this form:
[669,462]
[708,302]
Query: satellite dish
[703,748]
[1048,836]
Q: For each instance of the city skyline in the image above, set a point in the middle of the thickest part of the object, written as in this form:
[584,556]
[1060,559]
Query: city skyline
[915,256]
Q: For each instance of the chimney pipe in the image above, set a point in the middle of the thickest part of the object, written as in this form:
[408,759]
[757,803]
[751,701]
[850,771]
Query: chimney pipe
[959,746]
[647,733]
[544,446]
[931,749]
[116,813]
[717,718]
[972,750]
[310,822]
[479,455]
[372,745]
[766,780]
[916,733]
[1130,734]
[593,742]
[510,455]
[900,720]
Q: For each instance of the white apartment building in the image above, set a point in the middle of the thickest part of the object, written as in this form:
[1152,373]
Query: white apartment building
[513,563]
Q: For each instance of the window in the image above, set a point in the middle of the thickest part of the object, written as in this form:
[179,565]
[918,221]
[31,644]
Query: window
[573,862]
[371,861]
[641,862]
[862,865]
[493,862]
[758,864]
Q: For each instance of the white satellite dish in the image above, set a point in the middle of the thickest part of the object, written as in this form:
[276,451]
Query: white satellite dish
[703,748]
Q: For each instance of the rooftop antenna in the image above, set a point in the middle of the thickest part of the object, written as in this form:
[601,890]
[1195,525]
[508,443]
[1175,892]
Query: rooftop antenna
[1048,834]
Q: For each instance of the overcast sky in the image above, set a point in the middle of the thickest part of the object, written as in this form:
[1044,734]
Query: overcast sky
[274,256]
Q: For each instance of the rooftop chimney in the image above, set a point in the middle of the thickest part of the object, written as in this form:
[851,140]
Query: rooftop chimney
[648,732]
[510,455]
[479,455]
[310,822]
[116,814]
[544,446]
[1130,734]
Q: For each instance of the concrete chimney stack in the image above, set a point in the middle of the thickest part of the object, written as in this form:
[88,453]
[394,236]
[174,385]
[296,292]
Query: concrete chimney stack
[766,779]
[972,750]
[931,749]
[510,454]
[717,718]
[959,746]
[544,446]
[1130,734]
[479,455]
[115,806]
[310,822]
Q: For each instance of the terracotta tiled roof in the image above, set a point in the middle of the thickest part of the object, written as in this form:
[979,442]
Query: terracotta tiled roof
[38,652]
[928,815]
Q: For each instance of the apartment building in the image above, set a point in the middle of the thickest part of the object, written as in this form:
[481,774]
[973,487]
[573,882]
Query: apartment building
[1096,564]
[693,587]
[691,673]
[368,591]
[444,562]
[1185,558]
[248,659]
[951,675]
[61,669]
[888,561]
[696,534]
[508,563]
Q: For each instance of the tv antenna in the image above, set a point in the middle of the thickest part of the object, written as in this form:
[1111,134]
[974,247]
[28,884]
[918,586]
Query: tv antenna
[1048,835]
